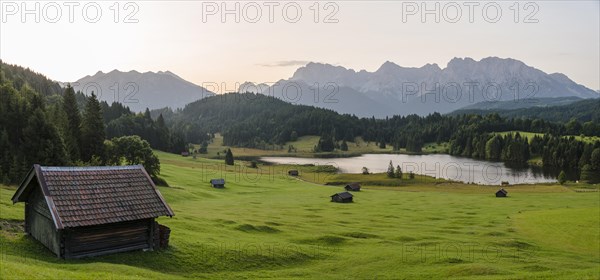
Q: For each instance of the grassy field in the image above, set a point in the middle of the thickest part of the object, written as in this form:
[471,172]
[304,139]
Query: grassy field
[265,224]
[304,147]
[436,148]
[530,135]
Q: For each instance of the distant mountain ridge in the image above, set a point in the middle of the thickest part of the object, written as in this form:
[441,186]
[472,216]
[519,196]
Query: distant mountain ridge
[139,91]
[397,90]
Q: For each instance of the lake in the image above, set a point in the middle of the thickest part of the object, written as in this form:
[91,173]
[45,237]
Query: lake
[436,165]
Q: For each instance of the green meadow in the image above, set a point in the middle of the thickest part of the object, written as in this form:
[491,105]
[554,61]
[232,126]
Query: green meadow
[265,224]
[303,147]
[530,135]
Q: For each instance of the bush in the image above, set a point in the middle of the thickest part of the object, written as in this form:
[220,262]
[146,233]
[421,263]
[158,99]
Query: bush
[326,169]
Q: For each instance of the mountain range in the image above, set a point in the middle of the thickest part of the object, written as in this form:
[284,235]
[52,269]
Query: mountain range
[390,90]
[139,91]
[397,90]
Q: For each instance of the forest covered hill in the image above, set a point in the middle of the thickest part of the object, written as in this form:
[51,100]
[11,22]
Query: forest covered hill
[583,111]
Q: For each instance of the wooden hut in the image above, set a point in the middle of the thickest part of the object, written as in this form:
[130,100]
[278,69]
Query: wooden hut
[293,173]
[89,211]
[353,187]
[217,183]
[501,193]
[343,197]
[185,154]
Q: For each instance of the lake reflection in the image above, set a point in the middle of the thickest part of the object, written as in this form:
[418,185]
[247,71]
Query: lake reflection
[436,165]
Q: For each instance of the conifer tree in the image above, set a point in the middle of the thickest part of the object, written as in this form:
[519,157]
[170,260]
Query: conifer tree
[72,126]
[390,170]
[163,134]
[92,130]
[229,157]
[398,172]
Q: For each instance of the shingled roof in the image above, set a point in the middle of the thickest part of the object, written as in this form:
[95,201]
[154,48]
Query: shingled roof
[85,196]
[217,181]
[343,195]
[353,187]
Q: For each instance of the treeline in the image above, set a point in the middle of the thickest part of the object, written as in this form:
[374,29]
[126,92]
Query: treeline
[50,129]
[489,146]
[122,122]
[562,152]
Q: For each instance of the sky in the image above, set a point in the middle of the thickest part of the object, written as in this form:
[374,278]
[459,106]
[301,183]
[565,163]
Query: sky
[204,42]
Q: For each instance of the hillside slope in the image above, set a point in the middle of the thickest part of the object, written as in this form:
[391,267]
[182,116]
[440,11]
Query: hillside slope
[583,111]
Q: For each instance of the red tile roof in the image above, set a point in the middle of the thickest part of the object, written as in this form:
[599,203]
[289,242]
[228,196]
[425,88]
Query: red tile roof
[85,196]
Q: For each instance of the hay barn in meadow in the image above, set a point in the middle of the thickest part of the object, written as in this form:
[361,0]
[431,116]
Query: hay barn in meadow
[353,187]
[501,193]
[343,197]
[217,183]
[89,211]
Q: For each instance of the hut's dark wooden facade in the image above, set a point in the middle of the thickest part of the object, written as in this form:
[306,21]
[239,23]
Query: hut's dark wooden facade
[343,197]
[501,193]
[89,211]
[293,172]
[353,187]
[217,183]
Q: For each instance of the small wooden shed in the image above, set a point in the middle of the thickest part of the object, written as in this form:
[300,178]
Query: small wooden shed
[501,193]
[293,172]
[89,211]
[353,187]
[343,197]
[217,183]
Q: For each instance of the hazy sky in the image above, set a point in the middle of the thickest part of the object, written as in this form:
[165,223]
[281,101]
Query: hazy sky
[190,38]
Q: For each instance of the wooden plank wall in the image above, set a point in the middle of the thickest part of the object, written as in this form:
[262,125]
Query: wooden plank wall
[109,238]
[39,222]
